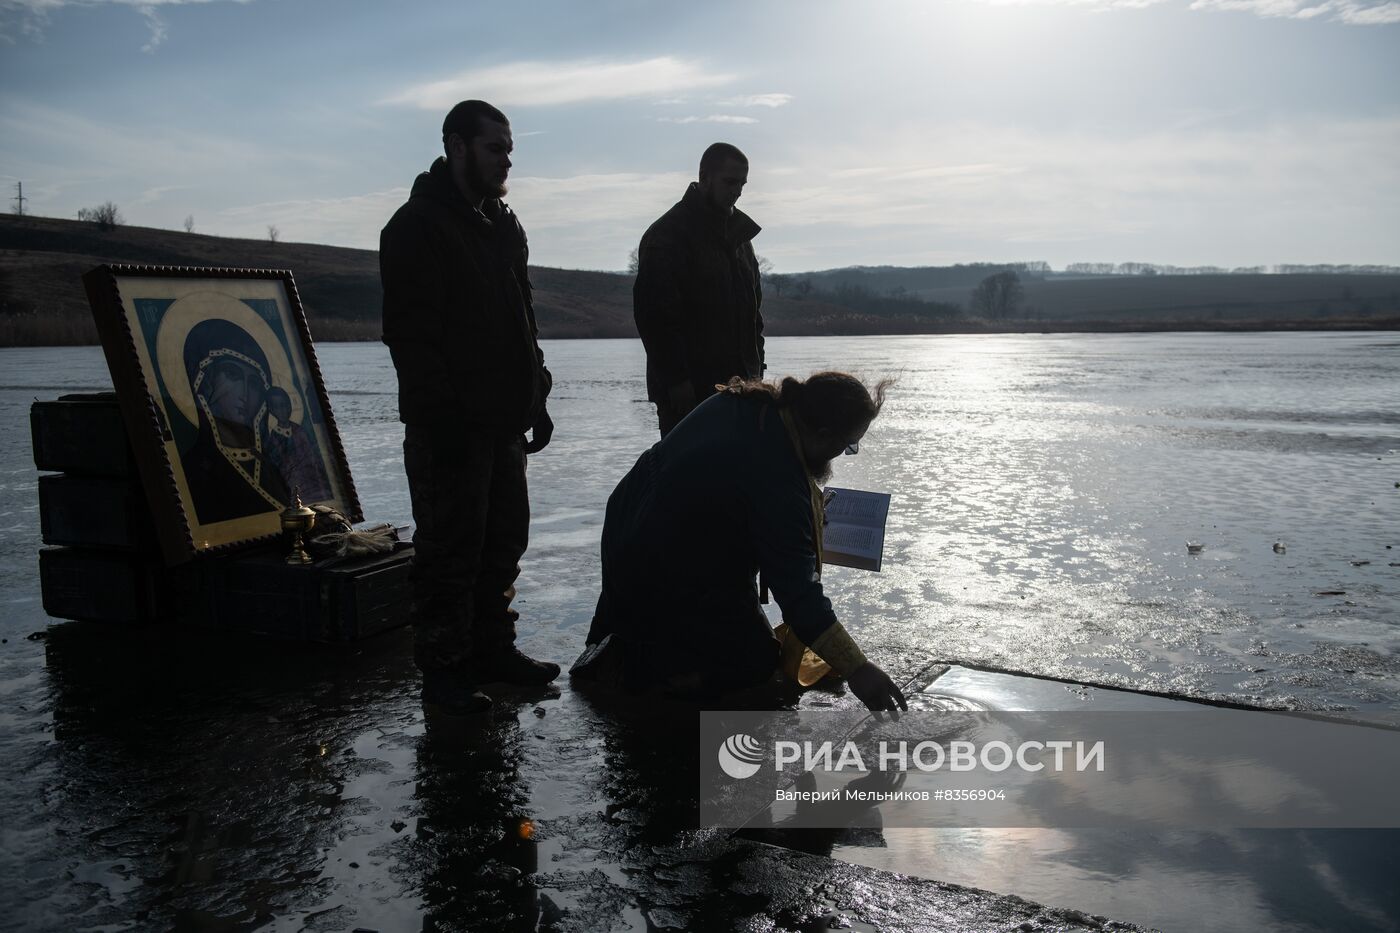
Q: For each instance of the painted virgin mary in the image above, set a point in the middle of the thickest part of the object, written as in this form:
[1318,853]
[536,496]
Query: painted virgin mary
[228,474]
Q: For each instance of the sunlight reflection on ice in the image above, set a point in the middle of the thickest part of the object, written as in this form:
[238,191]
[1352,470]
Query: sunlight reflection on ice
[1044,487]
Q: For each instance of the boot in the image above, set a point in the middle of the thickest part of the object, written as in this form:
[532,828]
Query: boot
[508,665]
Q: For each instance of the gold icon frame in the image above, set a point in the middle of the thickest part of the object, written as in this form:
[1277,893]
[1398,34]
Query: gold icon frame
[151,320]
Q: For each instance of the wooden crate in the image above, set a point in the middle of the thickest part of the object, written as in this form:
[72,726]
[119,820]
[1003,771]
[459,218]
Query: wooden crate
[262,594]
[258,593]
[81,434]
[92,585]
[95,511]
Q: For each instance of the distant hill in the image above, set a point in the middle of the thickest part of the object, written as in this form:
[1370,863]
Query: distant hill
[1115,302]
[42,260]
[42,300]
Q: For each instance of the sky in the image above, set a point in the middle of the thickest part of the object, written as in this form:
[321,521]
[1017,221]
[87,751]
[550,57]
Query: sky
[887,132]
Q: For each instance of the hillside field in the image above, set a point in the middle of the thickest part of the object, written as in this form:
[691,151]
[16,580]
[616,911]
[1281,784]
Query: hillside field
[42,300]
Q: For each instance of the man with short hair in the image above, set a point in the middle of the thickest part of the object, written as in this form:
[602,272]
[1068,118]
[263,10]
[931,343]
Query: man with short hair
[697,296]
[460,327]
[730,492]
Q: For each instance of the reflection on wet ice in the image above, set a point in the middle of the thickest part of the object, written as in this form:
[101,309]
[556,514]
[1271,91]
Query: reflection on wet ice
[1284,880]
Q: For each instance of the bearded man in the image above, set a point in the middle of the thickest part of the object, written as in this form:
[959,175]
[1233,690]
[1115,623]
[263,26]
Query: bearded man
[460,326]
[730,492]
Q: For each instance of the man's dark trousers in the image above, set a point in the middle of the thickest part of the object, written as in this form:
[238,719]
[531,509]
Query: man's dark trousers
[667,418]
[471,511]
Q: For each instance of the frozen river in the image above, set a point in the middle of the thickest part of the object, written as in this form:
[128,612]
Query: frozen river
[1045,489]
[1044,492]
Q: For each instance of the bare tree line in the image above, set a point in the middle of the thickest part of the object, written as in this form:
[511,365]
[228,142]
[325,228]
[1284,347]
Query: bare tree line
[1149,268]
[107,216]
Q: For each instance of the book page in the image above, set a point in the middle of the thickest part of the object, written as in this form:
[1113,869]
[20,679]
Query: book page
[857,508]
[854,533]
[853,539]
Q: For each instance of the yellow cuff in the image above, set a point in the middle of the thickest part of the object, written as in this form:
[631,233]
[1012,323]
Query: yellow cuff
[836,647]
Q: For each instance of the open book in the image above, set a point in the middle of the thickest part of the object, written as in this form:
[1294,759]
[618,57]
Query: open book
[854,535]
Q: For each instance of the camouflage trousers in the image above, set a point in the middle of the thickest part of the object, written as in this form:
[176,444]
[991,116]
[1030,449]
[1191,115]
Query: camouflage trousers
[471,512]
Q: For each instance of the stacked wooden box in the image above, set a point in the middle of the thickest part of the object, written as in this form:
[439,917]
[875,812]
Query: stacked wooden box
[103,563]
[259,592]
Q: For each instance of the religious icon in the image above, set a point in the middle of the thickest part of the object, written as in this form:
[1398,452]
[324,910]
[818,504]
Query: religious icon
[217,378]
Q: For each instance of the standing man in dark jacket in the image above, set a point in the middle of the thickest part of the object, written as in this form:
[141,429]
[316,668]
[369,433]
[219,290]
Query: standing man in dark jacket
[697,295]
[461,329]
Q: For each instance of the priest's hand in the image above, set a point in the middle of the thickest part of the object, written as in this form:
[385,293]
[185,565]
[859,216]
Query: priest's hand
[874,688]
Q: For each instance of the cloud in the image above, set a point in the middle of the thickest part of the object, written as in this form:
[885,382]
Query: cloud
[1380,15]
[712,118]
[1353,12]
[48,6]
[758,100]
[32,15]
[1182,195]
[158,193]
[579,221]
[353,220]
[157,26]
[591,221]
[637,198]
[544,84]
[196,169]
[44,6]
[54,135]
[1082,4]
[1191,195]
